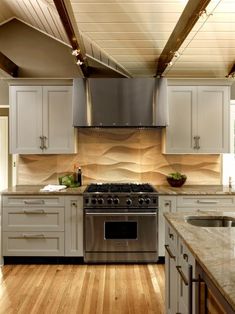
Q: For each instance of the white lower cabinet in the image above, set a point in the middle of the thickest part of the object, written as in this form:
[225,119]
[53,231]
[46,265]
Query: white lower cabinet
[179,272]
[74,226]
[42,226]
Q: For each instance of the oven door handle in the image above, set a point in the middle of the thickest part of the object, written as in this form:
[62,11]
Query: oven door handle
[120,214]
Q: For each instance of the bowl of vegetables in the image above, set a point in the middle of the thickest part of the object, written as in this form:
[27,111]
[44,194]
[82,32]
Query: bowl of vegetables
[176,179]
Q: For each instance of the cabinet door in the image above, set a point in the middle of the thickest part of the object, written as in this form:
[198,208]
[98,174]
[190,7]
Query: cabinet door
[57,119]
[166,204]
[25,119]
[171,283]
[182,113]
[213,119]
[73,226]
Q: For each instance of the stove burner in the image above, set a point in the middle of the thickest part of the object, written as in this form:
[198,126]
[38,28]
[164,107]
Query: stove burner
[120,188]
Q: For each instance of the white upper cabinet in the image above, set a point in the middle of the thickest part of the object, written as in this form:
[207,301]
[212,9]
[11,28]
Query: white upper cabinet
[41,120]
[198,120]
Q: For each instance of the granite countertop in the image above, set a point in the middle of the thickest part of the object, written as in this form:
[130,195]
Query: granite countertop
[162,190]
[35,189]
[195,190]
[213,248]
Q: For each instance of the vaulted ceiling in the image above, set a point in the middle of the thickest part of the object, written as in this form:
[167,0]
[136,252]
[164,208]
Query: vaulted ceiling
[129,36]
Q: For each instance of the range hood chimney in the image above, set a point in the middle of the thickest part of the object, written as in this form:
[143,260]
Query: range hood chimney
[120,102]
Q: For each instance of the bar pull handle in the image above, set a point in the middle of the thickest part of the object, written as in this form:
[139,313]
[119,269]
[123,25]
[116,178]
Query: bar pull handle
[34,202]
[190,291]
[42,142]
[169,252]
[207,202]
[185,280]
[36,211]
[32,236]
[196,142]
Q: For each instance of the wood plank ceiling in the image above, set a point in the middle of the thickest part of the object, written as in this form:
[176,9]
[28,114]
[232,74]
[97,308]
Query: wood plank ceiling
[130,35]
[135,32]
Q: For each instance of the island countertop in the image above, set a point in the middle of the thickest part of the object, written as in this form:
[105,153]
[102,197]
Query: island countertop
[161,189]
[212,247]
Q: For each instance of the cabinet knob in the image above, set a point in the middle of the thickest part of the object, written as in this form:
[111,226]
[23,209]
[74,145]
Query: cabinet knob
[74,204]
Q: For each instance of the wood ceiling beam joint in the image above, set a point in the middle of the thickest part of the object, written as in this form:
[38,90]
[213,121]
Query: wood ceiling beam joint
[190,15]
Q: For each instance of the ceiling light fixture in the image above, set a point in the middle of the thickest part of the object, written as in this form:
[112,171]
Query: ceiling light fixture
[76,52]
[79,62]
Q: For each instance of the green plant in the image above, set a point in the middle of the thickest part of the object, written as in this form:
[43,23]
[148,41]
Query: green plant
[176,176]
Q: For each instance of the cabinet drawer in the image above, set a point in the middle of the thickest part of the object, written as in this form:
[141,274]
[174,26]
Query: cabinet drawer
[171,239]
[33,243]
[33,219]
[33,201]
[205,201]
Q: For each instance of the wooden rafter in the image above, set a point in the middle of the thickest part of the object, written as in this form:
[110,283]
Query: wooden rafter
[187,20]
[232,71]
[8,66]
[65,19]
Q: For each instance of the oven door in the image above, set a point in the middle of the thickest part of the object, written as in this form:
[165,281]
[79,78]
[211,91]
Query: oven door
[120,232]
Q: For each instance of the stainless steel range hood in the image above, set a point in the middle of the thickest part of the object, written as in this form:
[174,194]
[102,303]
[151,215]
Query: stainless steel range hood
[120,102]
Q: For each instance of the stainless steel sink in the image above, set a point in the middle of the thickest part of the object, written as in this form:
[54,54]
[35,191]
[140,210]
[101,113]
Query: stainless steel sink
[209,221]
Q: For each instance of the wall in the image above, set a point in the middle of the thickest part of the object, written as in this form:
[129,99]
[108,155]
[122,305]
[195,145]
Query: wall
[120,155]
[233,91]
[4,93]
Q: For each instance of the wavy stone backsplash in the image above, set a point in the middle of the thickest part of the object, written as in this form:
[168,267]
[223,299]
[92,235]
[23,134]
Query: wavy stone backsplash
[119,155]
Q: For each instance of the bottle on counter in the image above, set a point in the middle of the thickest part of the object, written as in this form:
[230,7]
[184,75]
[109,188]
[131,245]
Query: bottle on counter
[77,175]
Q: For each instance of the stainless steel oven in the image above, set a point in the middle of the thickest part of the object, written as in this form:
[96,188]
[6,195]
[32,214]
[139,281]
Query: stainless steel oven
[114,236]
[120,223]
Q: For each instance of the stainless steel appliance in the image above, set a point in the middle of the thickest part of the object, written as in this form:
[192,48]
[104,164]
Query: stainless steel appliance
[120,102]
[120,223]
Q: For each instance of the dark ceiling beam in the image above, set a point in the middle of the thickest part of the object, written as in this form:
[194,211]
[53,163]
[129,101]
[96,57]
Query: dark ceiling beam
[65,19]
[232,71]
[188,18]
[8,66]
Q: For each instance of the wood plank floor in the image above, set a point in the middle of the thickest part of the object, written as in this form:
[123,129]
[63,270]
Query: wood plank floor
[82,289]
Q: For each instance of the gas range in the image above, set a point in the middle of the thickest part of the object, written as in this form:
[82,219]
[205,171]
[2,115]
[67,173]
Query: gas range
[120,195]
[120,223]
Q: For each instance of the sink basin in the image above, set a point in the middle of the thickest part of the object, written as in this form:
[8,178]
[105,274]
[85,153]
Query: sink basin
[209,221]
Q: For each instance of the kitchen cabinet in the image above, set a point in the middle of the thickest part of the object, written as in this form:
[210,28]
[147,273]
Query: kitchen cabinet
[167,203]
[180,290]
[38,225]
[33,226]
[41,120]
[210,300]
[171,287]
[73,226]
[205,203]
[198,120]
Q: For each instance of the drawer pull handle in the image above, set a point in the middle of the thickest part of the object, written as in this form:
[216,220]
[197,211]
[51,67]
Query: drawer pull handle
[171,236]
[32,236]
[185,257]
[182,275]
[36,202]
[169,252]
[36,211]
[207,202]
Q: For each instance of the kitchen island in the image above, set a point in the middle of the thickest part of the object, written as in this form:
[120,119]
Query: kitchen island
[213,249]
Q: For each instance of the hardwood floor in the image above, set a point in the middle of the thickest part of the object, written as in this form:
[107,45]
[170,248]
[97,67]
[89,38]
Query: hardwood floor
[82,289]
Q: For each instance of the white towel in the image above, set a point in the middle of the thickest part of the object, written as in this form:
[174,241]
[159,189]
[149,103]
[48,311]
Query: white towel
[53,188]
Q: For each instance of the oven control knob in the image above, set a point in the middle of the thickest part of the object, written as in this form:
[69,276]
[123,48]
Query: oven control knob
[129,201]
[93,201]
[141,200]
[100,201]
[147,200]
[109,200]
[116,200]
